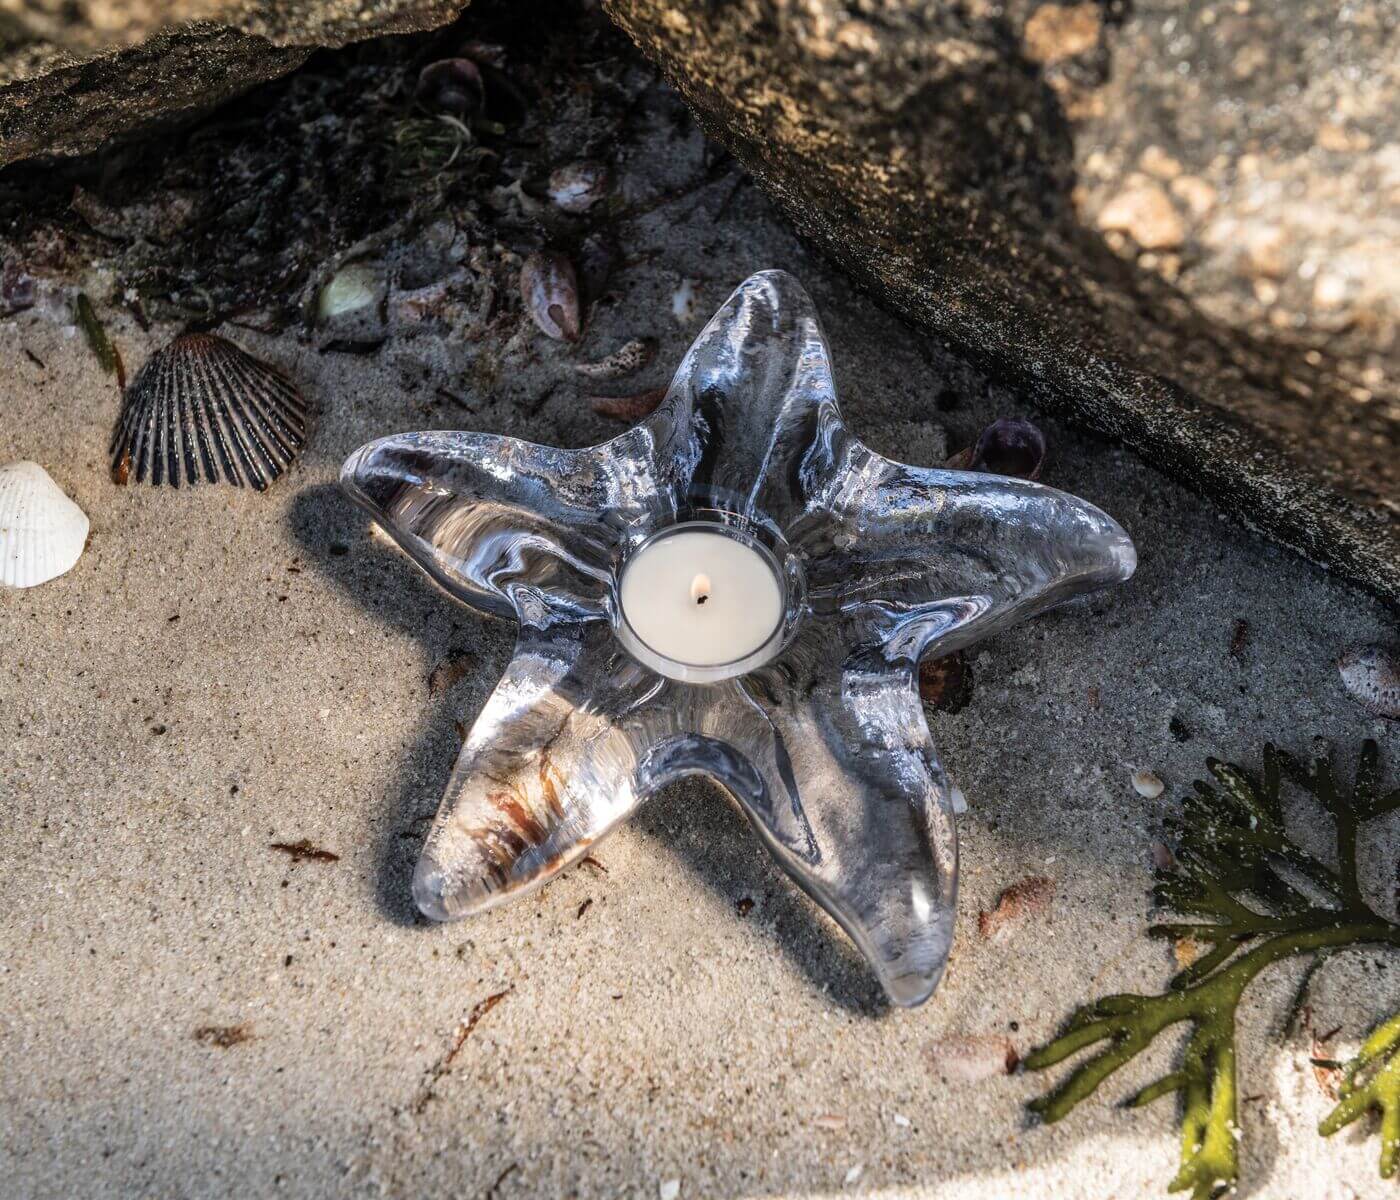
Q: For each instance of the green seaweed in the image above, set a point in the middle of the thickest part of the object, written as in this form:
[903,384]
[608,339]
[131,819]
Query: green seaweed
[98,341]
[1255,898]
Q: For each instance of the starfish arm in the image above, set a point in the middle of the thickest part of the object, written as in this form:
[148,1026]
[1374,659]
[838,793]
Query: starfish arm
[503,524]
[923,560]
[546,771]
[746,419]
[840,778]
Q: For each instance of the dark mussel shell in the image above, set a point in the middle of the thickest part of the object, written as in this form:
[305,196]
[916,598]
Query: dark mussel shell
[1008,446]
[203,410]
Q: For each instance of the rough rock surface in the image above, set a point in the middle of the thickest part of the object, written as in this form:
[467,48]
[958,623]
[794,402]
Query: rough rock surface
[1176,227]
[70,84]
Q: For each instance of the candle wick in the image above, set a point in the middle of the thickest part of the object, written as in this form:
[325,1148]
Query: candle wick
[700,589]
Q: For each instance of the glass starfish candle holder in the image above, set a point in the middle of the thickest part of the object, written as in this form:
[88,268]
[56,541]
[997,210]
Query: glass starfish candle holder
[736,587]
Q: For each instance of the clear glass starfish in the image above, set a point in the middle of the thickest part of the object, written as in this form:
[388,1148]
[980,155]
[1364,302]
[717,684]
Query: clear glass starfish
[825,746]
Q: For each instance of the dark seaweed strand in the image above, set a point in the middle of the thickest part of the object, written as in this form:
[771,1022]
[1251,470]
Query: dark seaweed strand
[198,418]
[231,417]
[207,404]
[244,376]
[265,400]
[235,373]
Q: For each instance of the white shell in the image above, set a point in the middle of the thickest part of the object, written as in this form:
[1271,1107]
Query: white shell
[42,532]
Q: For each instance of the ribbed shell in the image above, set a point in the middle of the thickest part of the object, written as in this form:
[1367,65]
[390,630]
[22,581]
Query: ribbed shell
[202,410]
[42,532]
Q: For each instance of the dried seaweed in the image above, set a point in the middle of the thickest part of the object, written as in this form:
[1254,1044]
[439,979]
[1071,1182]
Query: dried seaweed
[1253,898]
[98,341]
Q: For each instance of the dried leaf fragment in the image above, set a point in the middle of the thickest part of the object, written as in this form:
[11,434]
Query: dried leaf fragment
[304,851]
[223,1036]
[628,408]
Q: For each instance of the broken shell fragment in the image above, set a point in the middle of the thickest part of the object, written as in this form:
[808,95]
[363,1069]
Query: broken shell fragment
[971,1058]
[1371,676]
[579,186]
[635,355]
[452,85]
[1026,898]
[202,409]
[549,288]
[1008,446]
[628,408]
[42,532]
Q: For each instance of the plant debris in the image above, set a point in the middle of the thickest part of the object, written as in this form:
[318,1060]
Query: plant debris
[98,342]
[443,1066]
[448,673]
[1255,898]
[304,851]
[1027,898]
[628,408]
[223,1036]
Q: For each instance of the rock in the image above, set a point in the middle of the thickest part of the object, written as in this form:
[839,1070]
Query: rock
[71,84]
[1055,33]
[1014,179]
[1146,214]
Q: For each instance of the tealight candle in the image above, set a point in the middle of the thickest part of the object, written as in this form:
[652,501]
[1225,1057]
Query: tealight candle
[701,595]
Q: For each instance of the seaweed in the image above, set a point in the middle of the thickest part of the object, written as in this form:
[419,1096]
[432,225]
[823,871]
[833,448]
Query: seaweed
[1253,897]
[98,341]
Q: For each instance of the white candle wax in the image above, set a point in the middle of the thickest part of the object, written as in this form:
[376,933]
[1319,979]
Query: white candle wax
[701,597]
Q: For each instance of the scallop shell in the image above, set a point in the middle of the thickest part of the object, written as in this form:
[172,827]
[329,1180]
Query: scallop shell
[203,410]
[42,532]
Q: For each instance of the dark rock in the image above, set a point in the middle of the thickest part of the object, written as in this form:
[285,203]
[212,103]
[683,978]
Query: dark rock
[69,85]
[1110,208]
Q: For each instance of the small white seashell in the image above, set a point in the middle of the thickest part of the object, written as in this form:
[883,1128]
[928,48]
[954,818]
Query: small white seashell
[854,1174]
[1371,676]
[683,302]
[955,794]
[901,1120]
[1147,785]
[351,289]
[669,1189]
[42,532]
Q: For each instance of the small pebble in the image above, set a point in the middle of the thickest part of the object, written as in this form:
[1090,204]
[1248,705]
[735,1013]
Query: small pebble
[1147,785]
[854,1174]
[959,800]
[669,1189]
[901,1120]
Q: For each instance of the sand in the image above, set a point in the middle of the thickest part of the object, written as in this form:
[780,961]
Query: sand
[190,1011]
